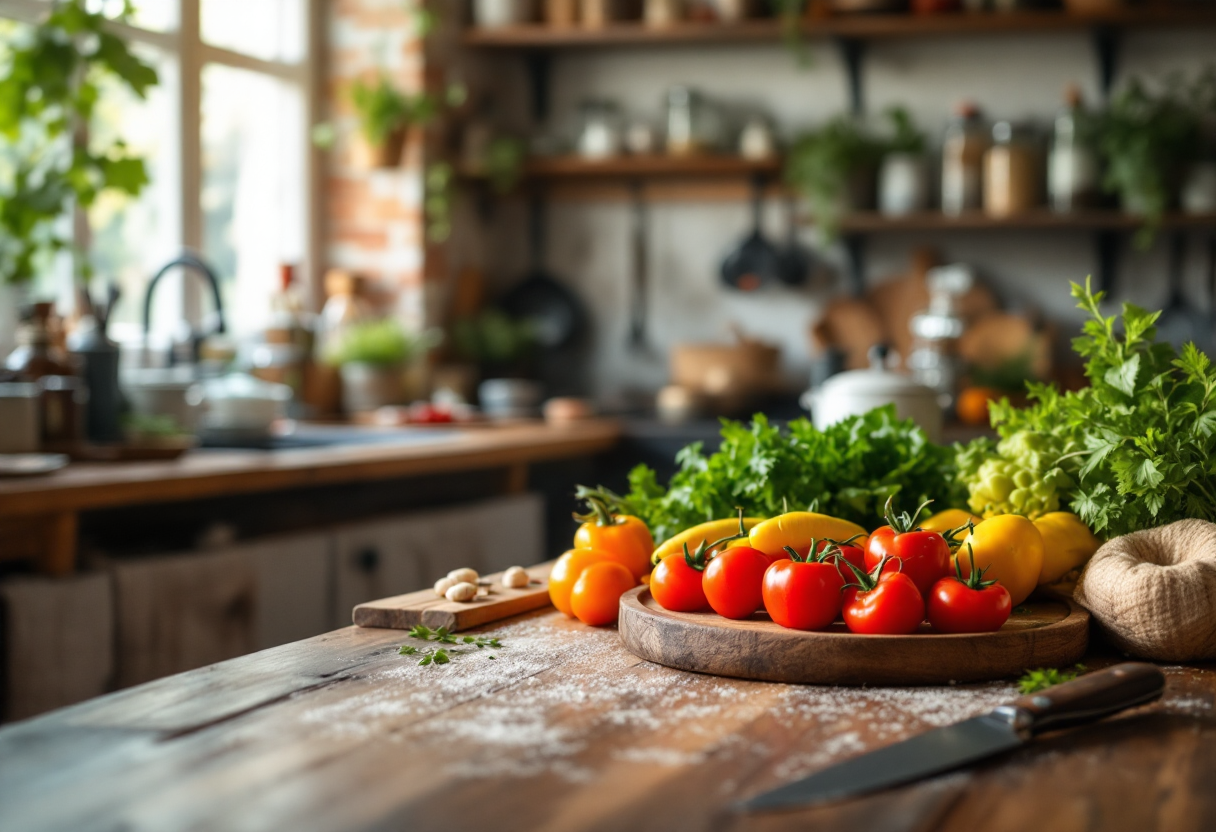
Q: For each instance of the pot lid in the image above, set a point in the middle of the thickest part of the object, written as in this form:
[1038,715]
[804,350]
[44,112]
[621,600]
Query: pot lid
[875,381]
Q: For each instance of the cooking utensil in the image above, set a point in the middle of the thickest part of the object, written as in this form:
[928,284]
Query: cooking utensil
[796,260]
[756,261]
[857,392]
[556,313]
[402,612]
[641,276]
[1087,699]
[1181,321]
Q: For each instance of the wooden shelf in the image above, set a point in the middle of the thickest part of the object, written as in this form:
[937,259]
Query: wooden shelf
[1043,220]
[628,167]
[876,27]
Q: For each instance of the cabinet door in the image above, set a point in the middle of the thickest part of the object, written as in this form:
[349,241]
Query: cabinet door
[58,641]
[382,558]
[179,612]
[489,536]
[294,579]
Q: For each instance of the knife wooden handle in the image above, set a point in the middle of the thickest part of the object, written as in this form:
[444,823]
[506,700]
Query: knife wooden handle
[1089,698]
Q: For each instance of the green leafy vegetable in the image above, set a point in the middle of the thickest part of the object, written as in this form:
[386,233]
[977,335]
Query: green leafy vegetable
[848,470]
[382,341]
[1036,680]
[442,655]
[1135,449]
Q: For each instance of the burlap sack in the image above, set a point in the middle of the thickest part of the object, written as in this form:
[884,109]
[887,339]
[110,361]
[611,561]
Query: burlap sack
[1154,591]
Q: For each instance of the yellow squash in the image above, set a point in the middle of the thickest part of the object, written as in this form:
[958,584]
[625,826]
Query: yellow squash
[1010,548]
[1067,544]
[709,532]
[798,528]
[951,518]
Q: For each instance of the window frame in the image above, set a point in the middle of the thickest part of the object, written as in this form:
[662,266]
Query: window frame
[193,55]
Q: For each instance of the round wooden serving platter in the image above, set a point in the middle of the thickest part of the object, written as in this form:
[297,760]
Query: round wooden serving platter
[1048,633]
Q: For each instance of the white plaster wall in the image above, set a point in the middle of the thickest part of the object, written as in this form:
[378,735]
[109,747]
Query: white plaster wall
[1015,77]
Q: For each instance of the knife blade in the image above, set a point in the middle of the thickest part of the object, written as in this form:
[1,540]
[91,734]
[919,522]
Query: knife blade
[1086,699]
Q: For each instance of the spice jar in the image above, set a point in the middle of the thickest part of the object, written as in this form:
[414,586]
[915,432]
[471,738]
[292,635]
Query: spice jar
[39,359]
[600,132]
[1012,175]
[963,161]
[693,124]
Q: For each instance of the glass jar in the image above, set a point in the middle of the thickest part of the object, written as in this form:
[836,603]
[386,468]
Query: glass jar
[693,124]
[1012,172]
[963,161]
[599,135]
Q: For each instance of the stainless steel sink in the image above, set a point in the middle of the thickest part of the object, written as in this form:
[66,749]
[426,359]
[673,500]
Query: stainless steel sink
[298,435]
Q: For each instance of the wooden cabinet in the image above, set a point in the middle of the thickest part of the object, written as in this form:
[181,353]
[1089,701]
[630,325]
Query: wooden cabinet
[390,557]
[58,642]
[147,617]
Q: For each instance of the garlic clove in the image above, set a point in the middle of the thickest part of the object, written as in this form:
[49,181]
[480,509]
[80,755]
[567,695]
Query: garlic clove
[516,577]
[461,592]
[443,585]
[465,575]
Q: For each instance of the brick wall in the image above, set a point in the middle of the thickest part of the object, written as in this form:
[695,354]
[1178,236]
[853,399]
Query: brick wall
[373,216]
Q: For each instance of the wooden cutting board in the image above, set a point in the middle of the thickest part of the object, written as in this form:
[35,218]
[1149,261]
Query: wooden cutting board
[1047,633]
[495,602]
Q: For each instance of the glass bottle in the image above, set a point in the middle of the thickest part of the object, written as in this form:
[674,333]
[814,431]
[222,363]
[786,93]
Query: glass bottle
[963,161]
[1072,167]
[39,359]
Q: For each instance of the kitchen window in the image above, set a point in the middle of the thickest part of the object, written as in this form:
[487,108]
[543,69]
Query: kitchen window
[225,138]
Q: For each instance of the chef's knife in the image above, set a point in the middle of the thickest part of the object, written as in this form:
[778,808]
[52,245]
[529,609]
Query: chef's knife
[1091,697]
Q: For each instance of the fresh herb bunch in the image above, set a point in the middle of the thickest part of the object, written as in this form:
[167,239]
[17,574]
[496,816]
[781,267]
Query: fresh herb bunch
[848,470]
[382,341]
[1140,442]
[905,137]
[1034,681]
[822,164]
[384,110]
[1145,138]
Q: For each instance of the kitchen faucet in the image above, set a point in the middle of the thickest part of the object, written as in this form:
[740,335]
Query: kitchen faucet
[194,263]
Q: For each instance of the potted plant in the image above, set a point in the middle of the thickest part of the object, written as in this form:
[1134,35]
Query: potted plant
[385,117]
[379,363]
[49,85]
[903,181]
[833,168]
[1145,141]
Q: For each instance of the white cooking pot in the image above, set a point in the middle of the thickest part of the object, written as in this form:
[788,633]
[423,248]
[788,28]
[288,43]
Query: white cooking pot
[859,391]
[241,404]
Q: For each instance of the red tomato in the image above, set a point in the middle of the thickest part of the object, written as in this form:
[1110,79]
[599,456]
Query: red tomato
[892,606]
[923,556]
[803,595]
[676,582]
[854,553]
[955,607]
[968,605]
[733,581]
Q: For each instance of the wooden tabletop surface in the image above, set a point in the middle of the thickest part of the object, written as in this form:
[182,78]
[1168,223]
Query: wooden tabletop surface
[566,730]
[210,473]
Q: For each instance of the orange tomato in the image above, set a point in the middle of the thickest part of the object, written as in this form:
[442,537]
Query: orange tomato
[972,405]
[567,570]
[626,536]
[596,597]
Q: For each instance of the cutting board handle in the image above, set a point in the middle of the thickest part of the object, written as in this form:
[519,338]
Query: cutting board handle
[1088,698]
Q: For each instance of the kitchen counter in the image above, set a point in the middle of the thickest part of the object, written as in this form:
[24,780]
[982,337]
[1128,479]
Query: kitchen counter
[43,511]
[566,730]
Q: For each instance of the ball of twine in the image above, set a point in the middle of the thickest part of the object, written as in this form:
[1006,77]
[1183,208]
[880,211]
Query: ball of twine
[1154,591]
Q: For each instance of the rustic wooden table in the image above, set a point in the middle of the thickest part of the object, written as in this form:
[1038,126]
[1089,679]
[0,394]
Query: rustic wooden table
[566,730]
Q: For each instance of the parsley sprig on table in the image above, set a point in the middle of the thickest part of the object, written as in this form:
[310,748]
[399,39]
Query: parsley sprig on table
[1036,680]
[441,635]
